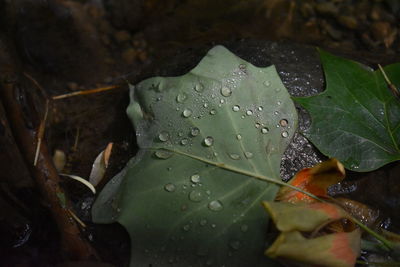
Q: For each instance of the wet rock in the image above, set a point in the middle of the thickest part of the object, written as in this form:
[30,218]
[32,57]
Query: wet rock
[348,22]
[129,55]
[383,32]
[326,8]
[122,36]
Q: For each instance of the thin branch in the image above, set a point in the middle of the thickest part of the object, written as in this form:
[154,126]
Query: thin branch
[16,97]
[40,134]
[390,84]
[86,92]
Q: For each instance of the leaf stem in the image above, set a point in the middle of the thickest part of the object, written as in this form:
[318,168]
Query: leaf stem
[384,241]
[390,84]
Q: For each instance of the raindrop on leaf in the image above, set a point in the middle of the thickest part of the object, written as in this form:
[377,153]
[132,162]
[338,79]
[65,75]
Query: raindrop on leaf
[196,196]
[195,178]
[186,113]
[215,205]
[163,154]
[194,131]
[208,141]
[180,98]
[163,136]
[283,122]
[199,87]
[170,187]
[267,83]
[234,156]
[184,141]
[264,130]
[248,154]
[226,91]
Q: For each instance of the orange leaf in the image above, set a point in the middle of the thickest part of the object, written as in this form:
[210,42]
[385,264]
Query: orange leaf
[315,180]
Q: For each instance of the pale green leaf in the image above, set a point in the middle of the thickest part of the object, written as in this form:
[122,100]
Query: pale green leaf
[208,141]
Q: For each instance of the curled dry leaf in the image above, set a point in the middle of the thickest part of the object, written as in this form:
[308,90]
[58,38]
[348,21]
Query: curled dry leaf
[59,159]
[100,165]
[313,233]
[315,180]
[81,180]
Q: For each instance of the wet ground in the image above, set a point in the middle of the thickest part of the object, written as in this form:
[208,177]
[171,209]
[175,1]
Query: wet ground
[68,46]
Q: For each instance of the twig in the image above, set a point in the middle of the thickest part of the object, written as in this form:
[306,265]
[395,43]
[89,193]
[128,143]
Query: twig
[40,134]
[21,114]
[86,92]
[76,218]
[75,147]
[390,84]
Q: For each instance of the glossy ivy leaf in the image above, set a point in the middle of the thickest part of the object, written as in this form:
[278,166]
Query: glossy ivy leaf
[207,140]
[356,119]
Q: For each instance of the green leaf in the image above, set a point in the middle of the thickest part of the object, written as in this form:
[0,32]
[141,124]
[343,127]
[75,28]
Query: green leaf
[356,119]
[208,141]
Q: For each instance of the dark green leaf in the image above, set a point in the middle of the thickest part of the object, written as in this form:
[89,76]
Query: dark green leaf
[357,118]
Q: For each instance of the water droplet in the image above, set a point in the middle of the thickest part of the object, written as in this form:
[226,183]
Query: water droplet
[234,156]
[264,130]
[257,125]
[184,141]
[215,205]
[181,97]
[213,112]
[186,113]
[194,131]
[285,134]
[221,101]
[203,222]
[249,112]
[213,225]
[236,108]
[242,116]
[186,227]
[226,91]
[267,83]
[276,112]
[199,87]
[283,122]
[279,103]
[196,196]
[170,187]
[205,105]
[277,89]
[208,141]
[195,178]
[235,244]
[163,136]
[238,137]
[242,66]
[248,154]
[163,154]
[244,228]
[260,108]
